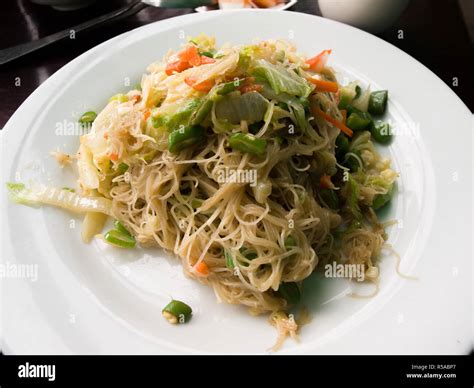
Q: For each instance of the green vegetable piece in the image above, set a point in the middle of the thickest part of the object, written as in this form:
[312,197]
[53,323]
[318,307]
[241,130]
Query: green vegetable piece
[234,108]
[229,87]
[184,137]
[381,132]
[378,102]
[380,200]
[208,54]
[255,127]
[118,225]
[119,239]
[70,189]
[353,198]
[358,91]
[342,145]
[330,198]
[199,115]
[281,79]
[87,118]
[358,121]
[351,162]
[229,261]
[122,167]
[243,63]
[247,143]
[290,242]
[180,116]
[347,95]
[120,97]
[177,312]
[290,292]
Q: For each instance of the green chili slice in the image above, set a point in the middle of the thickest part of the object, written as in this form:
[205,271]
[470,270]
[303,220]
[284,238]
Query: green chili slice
[177,312]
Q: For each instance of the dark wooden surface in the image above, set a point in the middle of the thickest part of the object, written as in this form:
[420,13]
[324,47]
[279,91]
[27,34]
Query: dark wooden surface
[435,33]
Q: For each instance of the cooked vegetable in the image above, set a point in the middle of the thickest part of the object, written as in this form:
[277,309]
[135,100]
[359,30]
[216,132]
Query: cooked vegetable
[290,292]
[185,137]
[228,87]
[290,242]
[353,198]
[87,118]
[93,224]
[330,198]
[378,102]
[118,225]
[122,240]
[381,132]
[281,79]
[358,121]
[202,268]
[120,97]
[324,86]
[380,200]
[202,86]
[361,102]
[177,312]
[318,62]
[122,167]
[347,95]
[234,108]
[342,145]
[229,260]
[175,115]
[247,143]
[318,112]
[200,114]
[56,197]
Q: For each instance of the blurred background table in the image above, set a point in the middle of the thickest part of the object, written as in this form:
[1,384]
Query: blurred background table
[438,33]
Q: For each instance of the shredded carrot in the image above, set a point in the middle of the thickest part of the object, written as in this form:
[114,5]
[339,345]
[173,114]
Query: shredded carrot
[325,182]
[146,114]
[202,268]
[176,67]
[344,116]
[318,112]
[318,62]
[203,86]
[113,156]
[106,135]
[136,98]
[324,86]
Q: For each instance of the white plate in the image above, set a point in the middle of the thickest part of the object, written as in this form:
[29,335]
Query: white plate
[95,299]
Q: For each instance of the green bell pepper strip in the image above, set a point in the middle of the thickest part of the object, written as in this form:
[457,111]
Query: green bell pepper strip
[184,137]
[247,143]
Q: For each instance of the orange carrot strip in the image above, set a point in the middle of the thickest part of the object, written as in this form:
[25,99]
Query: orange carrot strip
[146,114]
[318,62]
[344,116]
[190,55]
[113,156]
[324,86]
[318,112]
[203,86]
[202,268]
[176,67]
